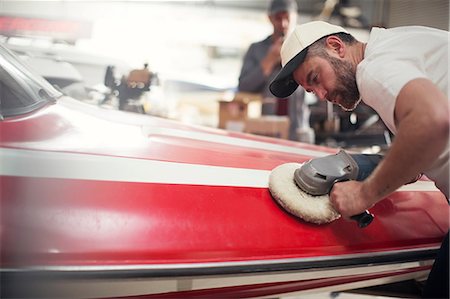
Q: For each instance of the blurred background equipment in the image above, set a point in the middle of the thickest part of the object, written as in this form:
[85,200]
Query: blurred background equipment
[195,66]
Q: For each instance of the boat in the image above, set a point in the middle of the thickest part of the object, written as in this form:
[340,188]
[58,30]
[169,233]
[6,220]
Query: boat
[100,203]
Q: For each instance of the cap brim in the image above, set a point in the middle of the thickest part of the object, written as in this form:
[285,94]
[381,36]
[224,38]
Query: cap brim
[284,84]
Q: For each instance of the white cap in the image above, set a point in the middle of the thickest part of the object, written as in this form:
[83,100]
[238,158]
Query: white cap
[293,53]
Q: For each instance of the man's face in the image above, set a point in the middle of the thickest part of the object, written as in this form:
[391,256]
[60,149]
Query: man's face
[329,78]
[282,22]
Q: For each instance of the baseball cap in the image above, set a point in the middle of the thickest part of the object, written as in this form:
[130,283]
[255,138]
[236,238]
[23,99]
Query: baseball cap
[293,53]
[282,5]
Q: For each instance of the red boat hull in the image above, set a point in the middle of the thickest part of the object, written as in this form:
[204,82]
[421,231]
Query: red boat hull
[102,203]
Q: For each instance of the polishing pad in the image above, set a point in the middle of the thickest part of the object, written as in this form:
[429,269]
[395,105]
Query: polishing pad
[315,209]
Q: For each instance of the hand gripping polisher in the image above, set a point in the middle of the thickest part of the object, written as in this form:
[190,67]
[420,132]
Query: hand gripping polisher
[306,193]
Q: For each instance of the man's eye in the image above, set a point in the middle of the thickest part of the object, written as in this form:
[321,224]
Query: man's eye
[315,78]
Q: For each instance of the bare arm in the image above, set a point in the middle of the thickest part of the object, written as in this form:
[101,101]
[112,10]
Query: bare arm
[422,119]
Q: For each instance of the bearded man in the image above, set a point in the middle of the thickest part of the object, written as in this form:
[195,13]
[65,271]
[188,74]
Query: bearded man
[402,73]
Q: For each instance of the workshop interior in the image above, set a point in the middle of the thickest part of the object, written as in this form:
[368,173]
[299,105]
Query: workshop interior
[135,164]
[194,49]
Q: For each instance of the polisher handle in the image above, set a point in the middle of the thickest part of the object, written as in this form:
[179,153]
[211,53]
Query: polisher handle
[363,219]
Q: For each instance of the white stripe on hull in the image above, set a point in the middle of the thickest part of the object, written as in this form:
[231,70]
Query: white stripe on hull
[47,164]
[27,163]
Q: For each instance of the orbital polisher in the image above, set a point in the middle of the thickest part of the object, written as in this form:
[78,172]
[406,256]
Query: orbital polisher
[302,189]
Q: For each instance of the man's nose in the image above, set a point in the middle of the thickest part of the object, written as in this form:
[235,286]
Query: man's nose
[320,93]
[285,23]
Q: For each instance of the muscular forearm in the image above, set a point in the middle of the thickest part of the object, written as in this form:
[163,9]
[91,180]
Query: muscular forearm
[423,133]
[410,154]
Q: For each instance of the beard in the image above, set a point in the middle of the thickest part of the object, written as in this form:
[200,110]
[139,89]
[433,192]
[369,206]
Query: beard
[347,90]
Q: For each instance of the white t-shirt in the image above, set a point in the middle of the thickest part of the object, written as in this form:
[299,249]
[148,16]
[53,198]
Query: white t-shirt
[392,58]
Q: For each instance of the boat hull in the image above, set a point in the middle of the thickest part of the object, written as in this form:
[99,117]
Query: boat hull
[98,203]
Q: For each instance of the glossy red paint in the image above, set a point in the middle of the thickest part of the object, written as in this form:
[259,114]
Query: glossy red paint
[100,223]
[53,221]
[63,129]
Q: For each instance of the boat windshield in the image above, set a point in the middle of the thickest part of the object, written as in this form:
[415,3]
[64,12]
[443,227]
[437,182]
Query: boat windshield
[21,91]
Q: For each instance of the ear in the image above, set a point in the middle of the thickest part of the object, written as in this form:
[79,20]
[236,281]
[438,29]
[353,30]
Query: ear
[336,45]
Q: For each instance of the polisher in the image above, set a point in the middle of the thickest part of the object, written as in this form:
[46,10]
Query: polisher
[302,189]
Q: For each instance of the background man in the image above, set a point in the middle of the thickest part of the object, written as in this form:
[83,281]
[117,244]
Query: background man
[403,74]
[262,62]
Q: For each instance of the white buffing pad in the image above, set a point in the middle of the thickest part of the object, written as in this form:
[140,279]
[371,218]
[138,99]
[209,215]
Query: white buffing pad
[315,209]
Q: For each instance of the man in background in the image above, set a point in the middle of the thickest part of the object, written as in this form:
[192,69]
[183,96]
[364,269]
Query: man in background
[262,62]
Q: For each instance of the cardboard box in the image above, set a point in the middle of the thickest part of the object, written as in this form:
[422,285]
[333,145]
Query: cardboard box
[269,125]
[233,114]
[247,97]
